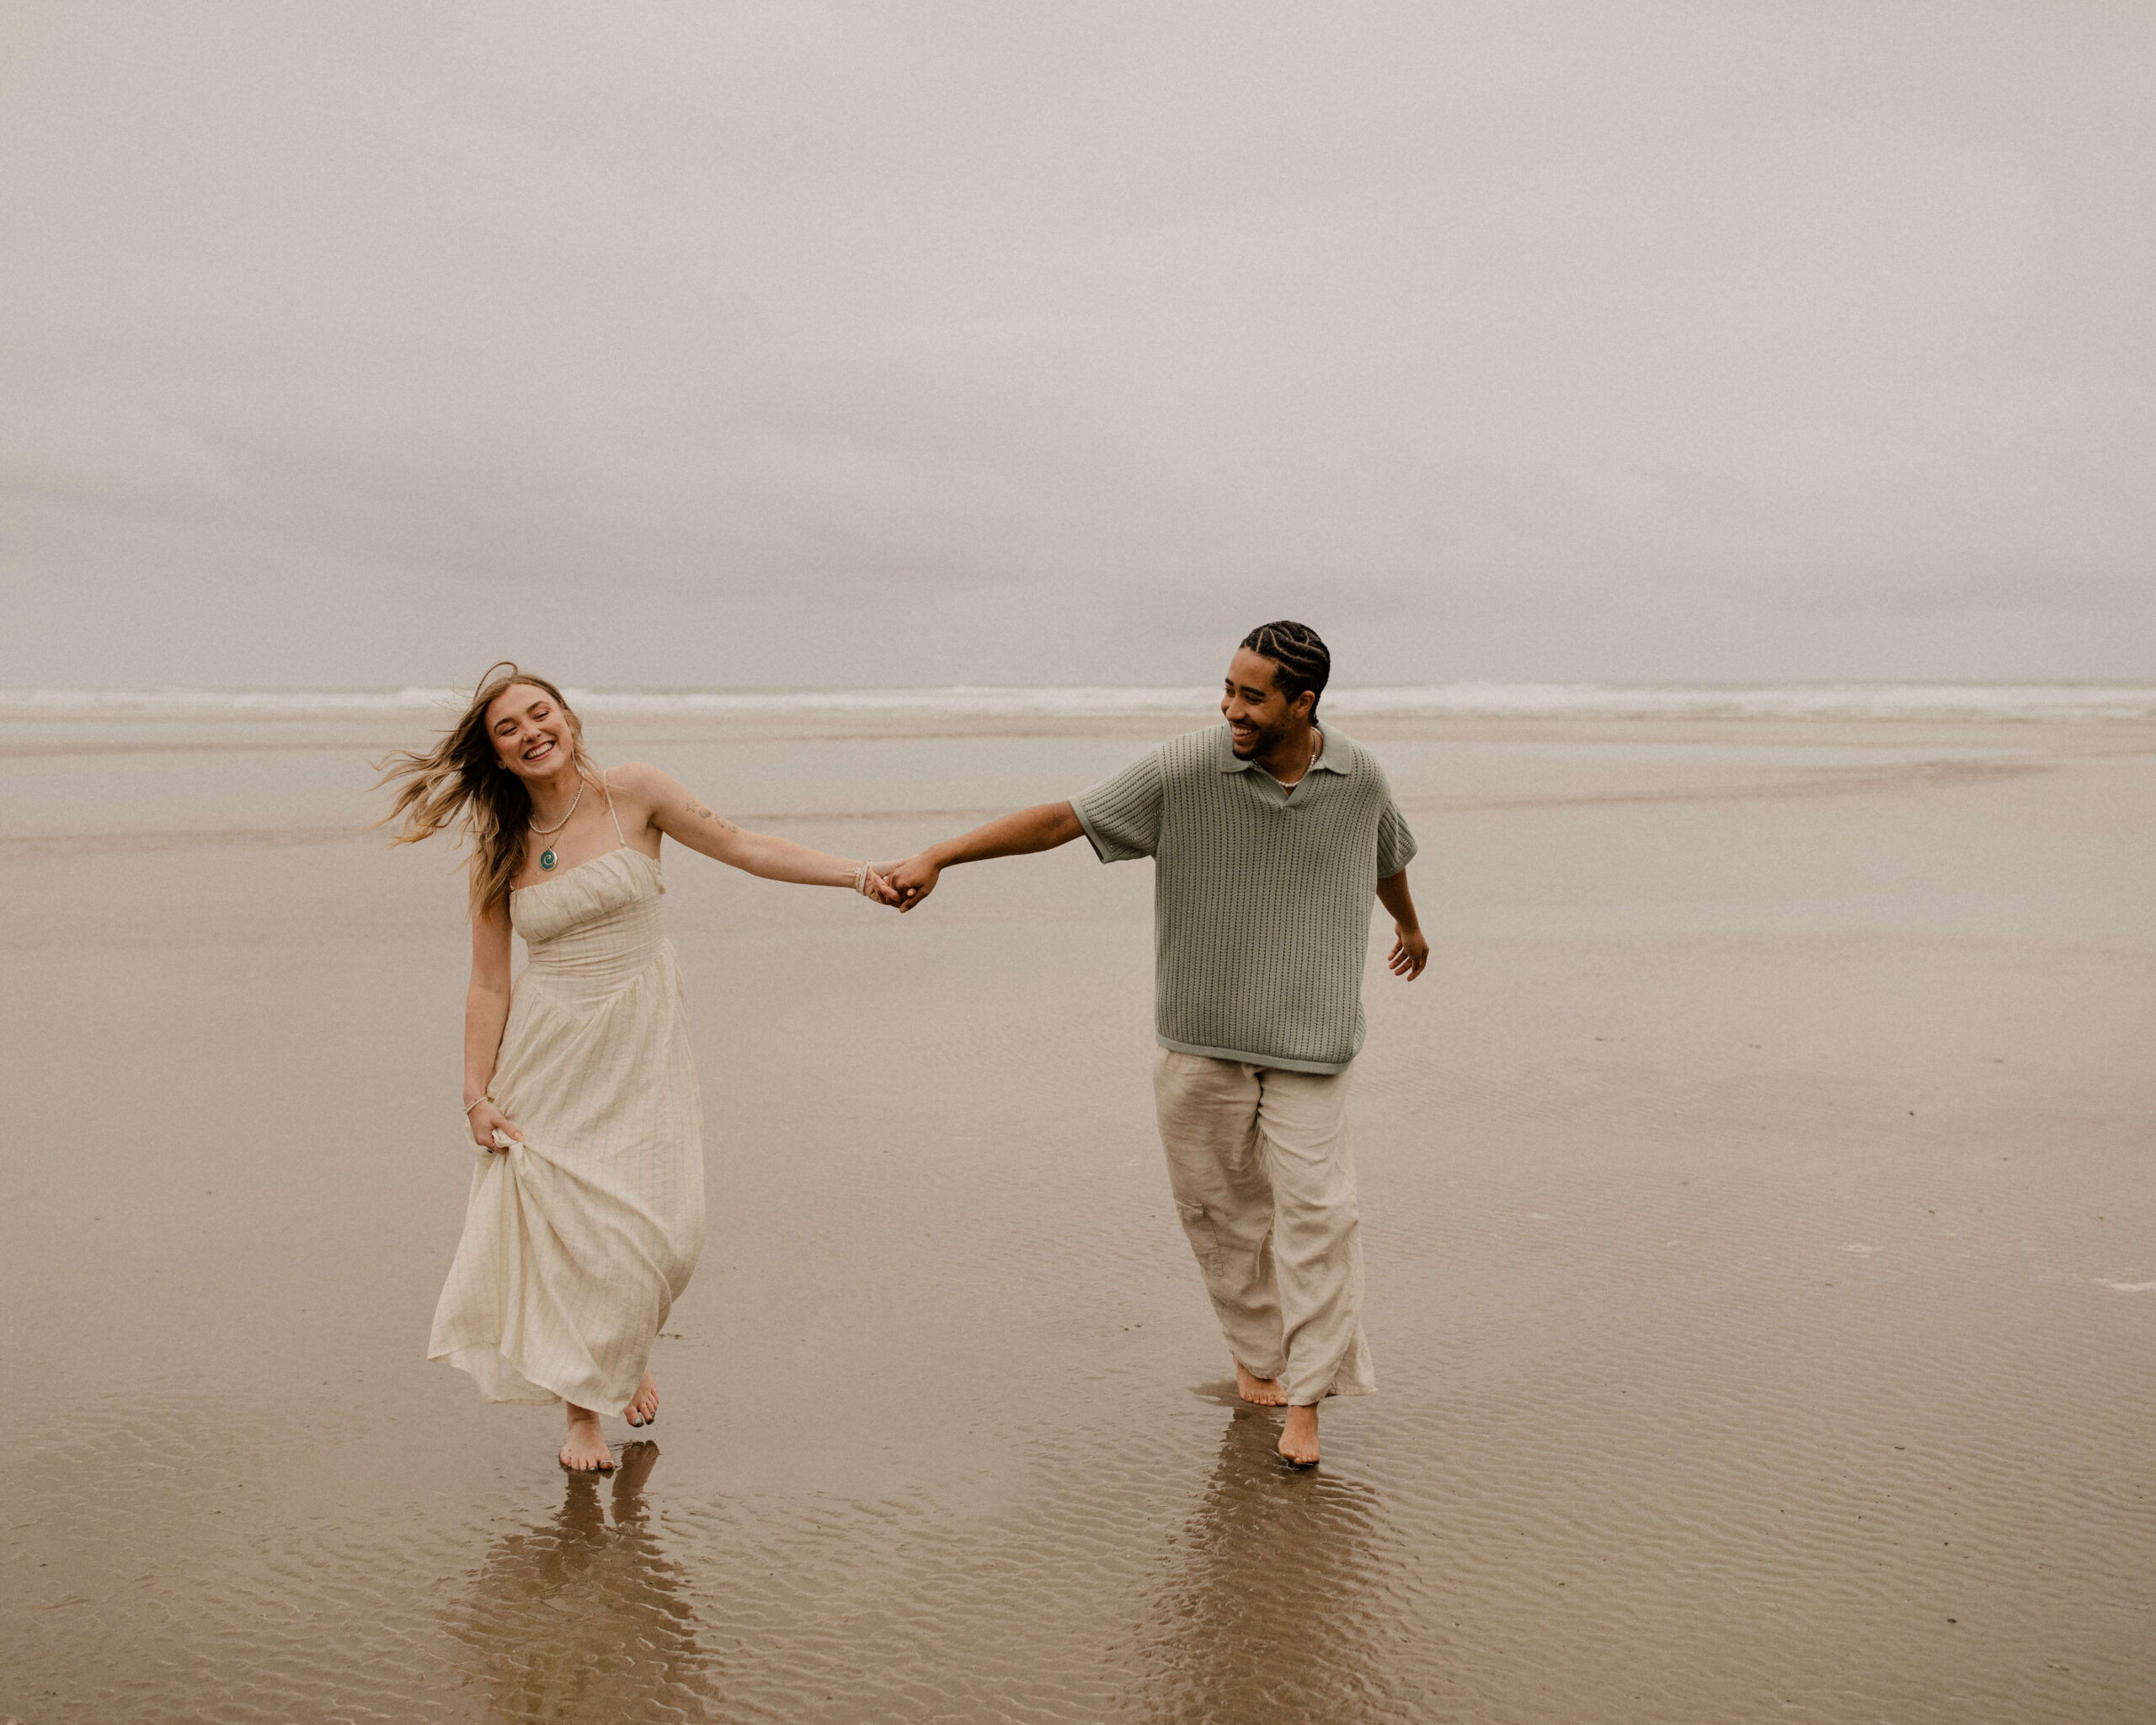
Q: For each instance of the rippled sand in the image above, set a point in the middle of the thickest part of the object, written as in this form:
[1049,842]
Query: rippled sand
[1759,1226]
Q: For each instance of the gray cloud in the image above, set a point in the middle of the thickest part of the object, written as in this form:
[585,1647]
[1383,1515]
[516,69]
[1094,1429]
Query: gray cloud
[791,344]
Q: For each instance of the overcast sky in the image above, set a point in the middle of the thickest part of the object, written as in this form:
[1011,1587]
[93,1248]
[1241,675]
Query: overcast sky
[725,345]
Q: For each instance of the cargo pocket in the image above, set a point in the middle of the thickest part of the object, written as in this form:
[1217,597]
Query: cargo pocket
[1204,1240]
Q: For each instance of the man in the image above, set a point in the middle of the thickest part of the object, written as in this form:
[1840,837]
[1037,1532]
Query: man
[1268,835]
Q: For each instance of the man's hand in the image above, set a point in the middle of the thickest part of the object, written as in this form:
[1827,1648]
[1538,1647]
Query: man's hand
[1041,827]
[912,880]
[1409,953]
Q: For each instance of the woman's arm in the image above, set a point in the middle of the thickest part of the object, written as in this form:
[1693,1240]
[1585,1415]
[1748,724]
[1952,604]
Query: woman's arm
[686,820]
[486,1014]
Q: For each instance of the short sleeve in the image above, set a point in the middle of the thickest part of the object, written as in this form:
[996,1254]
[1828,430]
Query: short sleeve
[1122,815]
[1395,844]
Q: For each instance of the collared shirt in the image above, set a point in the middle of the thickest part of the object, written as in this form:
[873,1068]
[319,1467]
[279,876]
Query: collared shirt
[1262,893]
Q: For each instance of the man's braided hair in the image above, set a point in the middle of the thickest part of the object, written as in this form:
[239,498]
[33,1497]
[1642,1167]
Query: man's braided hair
[1301,657]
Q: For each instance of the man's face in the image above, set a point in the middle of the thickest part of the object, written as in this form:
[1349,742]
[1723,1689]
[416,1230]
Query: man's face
[1259,715]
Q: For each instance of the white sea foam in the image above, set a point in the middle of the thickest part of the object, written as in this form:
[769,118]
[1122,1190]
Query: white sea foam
[1886,701]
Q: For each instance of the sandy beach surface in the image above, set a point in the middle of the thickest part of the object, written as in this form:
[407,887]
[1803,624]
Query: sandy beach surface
[1758,1204]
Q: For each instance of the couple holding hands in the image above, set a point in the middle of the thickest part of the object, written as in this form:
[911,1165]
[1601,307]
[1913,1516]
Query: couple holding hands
[1269,835]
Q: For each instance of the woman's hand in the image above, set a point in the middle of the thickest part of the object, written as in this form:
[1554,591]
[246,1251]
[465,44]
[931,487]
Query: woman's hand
[486,1120]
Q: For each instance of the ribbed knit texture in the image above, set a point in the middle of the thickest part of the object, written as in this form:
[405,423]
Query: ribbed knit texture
[1261,895]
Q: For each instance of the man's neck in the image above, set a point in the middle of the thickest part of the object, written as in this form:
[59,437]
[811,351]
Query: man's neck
[1290,759]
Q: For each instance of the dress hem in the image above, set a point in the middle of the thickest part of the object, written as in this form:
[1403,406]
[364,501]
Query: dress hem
[546,1396]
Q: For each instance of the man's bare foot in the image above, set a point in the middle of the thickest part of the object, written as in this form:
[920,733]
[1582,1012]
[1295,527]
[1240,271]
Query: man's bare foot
[1299,1442]
[1265,1393]
[586,1450]
[644,1408]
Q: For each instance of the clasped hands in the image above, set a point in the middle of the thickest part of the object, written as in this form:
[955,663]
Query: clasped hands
[909,882]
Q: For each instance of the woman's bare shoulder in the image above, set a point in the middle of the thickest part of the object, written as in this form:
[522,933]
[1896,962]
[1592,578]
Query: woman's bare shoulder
[639,778]
[639,786]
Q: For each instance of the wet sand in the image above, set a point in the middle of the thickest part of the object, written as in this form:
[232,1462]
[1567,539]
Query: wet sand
[1757,1198]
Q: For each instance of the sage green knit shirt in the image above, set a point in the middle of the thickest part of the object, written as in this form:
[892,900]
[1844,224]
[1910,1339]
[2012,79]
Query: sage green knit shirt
[1261,895]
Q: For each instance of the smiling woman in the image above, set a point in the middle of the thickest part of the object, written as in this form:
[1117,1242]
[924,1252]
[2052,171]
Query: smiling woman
[586,1213]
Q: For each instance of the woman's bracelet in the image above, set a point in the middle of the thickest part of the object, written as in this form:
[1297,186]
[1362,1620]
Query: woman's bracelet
[473,1103]
[861,880]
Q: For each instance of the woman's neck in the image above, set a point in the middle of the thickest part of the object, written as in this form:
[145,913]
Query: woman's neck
[551,799]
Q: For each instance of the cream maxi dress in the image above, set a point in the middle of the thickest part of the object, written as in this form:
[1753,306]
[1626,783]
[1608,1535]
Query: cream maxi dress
[578,1241]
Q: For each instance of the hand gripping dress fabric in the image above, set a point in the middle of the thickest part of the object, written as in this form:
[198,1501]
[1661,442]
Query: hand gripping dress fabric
[578,1241]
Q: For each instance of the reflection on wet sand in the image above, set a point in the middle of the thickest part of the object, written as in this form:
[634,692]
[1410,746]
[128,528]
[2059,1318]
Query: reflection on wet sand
[581,1618]
[1274,1607]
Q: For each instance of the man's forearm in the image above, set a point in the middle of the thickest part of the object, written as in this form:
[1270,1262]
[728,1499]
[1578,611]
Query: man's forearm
[1041,828]
[1392,893]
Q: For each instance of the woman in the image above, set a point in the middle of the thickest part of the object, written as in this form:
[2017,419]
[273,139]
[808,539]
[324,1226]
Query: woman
[587,1209]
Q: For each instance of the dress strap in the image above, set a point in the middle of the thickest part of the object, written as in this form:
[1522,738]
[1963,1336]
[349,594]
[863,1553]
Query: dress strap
[618,833]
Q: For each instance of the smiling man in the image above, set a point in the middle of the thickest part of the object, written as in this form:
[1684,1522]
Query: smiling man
[1269,835]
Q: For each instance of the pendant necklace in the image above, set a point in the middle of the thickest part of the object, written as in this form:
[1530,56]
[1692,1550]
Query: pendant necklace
[547,856]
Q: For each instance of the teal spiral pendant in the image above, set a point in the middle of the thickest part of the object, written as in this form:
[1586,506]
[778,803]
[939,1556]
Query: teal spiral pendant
[547,859]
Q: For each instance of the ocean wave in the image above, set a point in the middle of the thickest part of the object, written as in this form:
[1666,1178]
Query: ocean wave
[1463,700]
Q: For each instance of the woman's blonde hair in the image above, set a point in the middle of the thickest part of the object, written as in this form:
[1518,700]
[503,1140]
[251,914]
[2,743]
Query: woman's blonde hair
[462,773]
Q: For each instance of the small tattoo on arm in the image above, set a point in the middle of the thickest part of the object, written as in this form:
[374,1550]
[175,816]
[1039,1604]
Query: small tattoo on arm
[701,813]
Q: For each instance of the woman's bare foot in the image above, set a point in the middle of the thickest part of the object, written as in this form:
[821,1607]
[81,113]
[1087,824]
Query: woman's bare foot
[1299,1442]
[1265,1393]
[586,1450]
[644,1408]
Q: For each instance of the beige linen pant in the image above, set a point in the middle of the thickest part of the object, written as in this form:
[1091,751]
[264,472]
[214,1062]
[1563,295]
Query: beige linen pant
[1264,1180]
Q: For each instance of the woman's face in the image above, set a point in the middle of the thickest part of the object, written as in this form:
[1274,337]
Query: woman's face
[534,735]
